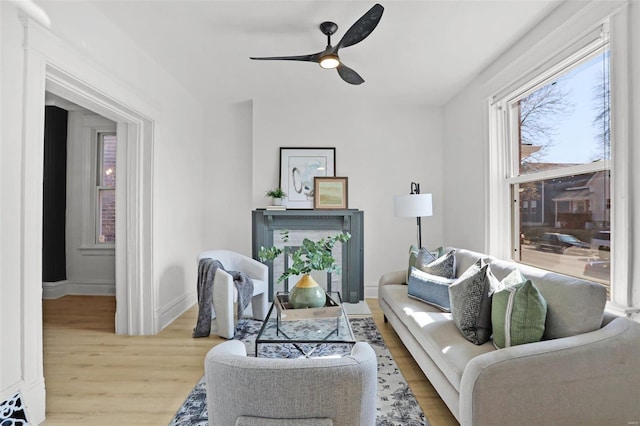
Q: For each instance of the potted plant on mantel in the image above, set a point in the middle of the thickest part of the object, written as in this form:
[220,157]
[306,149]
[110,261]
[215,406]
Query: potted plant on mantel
[311,256]
[276,195]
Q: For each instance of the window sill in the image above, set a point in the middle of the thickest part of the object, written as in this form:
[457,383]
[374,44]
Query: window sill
[621,310]
[98,251]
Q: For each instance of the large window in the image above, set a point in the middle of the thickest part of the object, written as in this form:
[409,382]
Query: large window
[106,189]
[556,131]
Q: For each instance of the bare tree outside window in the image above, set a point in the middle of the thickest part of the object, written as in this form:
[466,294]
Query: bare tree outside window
[562,187]
[541,114]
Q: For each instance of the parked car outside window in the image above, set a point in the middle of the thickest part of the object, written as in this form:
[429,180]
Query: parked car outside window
[559,243]
[601,243]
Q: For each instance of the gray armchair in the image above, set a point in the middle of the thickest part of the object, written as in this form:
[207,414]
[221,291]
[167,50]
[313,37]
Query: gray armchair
[249,391]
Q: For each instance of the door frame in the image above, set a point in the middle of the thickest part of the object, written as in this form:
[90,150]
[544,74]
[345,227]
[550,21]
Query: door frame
[135,293]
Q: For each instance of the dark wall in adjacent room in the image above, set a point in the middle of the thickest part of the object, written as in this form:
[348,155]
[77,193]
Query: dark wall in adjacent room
[55,195]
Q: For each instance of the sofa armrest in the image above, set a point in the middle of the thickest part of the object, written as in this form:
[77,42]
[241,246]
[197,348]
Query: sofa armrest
[395,277]
[591,378]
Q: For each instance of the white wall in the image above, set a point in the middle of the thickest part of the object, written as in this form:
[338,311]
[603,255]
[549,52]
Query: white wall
[90,270]
[467,202]
[83,44]
[380,146]
[227,157]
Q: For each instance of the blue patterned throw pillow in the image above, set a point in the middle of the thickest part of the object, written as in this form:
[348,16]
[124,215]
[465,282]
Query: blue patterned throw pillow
[431,289]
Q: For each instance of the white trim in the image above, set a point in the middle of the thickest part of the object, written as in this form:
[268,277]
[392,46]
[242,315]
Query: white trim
[134,190]
[562,171]
[92,126]
[621,124]
[173,310]
[59,289]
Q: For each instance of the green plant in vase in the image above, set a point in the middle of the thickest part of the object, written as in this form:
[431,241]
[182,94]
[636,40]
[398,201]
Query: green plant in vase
[310,256]
[276,194]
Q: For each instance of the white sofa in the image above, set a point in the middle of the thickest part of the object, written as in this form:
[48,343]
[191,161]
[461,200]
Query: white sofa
[585,371]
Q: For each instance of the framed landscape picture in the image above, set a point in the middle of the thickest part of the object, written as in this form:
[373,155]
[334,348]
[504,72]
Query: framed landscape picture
[331,193]
[298,168]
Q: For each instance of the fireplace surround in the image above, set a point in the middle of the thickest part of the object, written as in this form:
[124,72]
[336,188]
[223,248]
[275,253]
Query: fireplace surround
[314,224]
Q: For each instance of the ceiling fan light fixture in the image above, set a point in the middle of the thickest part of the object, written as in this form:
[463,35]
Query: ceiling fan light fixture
[329,61]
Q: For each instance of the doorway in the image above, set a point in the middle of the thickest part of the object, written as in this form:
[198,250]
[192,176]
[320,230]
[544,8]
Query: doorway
[133,219]
[80,172]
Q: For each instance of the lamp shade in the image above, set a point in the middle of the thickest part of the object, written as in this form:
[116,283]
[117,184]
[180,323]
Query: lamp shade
[412,205]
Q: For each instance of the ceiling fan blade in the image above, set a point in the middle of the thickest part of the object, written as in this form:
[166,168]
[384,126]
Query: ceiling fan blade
[315,57]
[349,75]
[363,27]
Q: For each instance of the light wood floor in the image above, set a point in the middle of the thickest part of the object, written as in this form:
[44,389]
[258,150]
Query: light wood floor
[94,377]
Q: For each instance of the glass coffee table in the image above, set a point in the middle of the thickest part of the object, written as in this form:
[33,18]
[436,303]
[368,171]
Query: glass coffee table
[306,334]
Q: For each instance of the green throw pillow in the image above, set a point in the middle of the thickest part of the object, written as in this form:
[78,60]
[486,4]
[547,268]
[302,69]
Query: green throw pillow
[518,314]
[413,255]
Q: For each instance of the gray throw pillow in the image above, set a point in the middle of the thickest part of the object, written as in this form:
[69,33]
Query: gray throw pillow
[430,289]
[444,266]
[470,298]
[424,258]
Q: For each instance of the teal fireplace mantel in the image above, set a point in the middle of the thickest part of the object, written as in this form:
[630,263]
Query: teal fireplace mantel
[265,222]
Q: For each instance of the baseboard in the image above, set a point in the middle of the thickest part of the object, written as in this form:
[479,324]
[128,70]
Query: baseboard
[167,314]
[59,289]
[371,290]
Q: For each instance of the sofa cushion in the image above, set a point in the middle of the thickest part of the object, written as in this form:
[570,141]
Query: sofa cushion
[444,266]
[470,298]
[431,289]
[435,331]
[518,314]
[574,306]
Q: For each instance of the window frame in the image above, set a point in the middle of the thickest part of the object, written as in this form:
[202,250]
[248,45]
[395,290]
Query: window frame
[99,187]
[503,240]
[92,126]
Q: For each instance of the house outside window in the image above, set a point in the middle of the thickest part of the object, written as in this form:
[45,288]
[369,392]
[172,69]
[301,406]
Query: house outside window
[556,139]
[106,189]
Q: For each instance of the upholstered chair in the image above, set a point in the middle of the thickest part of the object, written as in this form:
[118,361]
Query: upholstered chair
[225,294]
[252,391]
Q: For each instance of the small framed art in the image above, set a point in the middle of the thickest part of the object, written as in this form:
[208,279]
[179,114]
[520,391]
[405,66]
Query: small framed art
[298,167]
[331,193]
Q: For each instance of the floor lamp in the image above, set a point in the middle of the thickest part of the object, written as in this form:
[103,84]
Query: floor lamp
[413,205]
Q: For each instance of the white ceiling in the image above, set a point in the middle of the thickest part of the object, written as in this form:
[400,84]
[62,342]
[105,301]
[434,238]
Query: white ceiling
[422,51]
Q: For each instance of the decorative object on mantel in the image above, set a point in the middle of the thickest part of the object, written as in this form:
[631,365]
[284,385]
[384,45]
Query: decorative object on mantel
[276,208]
[298,167]
[277,195]
[311,256]
[414,205]
[331,193]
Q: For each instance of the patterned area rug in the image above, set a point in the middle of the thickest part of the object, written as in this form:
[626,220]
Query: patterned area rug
[396,403]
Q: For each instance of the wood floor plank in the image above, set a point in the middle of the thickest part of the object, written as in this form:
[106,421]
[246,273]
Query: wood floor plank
[95,377]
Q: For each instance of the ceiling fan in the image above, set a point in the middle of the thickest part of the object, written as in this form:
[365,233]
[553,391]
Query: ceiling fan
[329,58]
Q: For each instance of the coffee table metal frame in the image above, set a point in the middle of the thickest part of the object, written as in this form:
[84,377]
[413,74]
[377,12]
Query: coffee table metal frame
[329,330]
